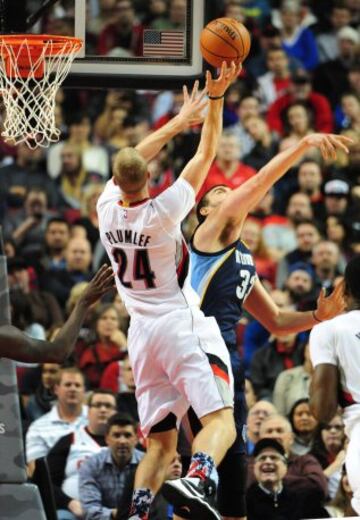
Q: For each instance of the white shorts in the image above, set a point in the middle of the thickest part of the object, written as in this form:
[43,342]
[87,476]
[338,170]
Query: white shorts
[179,360]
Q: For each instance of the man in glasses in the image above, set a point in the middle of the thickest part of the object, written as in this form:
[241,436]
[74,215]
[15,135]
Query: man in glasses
[70,451]
[269,497]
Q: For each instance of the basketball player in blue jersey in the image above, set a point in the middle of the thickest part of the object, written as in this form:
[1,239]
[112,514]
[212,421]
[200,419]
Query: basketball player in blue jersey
[223,274]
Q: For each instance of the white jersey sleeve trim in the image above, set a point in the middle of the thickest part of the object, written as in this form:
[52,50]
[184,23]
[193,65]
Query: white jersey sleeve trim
[322,345]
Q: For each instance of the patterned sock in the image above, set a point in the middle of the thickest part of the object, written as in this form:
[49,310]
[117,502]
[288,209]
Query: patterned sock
[141,502]
[201,465]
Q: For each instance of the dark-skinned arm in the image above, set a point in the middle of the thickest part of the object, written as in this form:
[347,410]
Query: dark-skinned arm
[15,345]
[281,321]
[324,392]
[325,379]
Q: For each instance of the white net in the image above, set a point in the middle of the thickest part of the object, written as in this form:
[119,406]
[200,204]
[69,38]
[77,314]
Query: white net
[29,97]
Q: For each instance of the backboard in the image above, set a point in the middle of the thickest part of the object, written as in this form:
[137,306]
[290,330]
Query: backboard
[147,44]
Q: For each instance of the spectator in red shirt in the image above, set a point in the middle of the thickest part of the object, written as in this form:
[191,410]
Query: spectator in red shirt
[107,346]
[227,169]
[276,82]
[301,91]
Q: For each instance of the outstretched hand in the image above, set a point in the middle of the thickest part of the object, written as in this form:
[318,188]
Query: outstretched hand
[217,87]
[192,111]
[330,306]
[99,285]
[329,144]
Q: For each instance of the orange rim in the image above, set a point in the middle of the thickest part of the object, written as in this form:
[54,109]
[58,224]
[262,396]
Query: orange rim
[36,42]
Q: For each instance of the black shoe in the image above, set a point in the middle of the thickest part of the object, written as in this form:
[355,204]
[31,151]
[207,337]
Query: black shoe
[193,494]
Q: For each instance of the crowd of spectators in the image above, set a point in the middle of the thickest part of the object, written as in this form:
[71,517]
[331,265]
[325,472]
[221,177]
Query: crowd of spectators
[302,76]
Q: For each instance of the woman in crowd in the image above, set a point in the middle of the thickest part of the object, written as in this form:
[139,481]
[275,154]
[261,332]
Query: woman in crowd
[303,424]
[328,448]
[106,344]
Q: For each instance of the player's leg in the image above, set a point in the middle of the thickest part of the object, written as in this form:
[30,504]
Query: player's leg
[205,378]
[216,436]
[150,474]
[231,495]
[353,464]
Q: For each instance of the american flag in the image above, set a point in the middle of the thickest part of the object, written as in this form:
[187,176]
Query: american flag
[163,43]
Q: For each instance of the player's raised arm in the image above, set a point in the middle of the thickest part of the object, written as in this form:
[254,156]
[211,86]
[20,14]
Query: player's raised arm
[281,321]
[243,199]
[197,168]
[191,113]
[15,345]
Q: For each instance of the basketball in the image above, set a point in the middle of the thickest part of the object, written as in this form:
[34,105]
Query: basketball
[224,39]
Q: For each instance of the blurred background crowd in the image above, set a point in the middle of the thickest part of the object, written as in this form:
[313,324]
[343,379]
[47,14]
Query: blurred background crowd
[302,76]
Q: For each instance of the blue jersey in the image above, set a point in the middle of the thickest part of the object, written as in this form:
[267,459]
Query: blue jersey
[223,280]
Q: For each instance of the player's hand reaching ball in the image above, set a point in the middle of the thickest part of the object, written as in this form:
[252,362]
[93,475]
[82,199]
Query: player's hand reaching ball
[218,86]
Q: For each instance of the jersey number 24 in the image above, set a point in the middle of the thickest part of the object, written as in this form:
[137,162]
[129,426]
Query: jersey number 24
[141,267]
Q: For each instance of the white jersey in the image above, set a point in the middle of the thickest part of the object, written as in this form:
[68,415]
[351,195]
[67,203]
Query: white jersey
[82,447]
[145,247]
[337,342]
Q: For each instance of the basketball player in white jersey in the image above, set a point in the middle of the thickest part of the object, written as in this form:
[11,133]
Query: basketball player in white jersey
[168,334]
[335,354]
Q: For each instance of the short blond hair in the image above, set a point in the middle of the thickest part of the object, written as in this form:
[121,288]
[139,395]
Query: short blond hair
[130,170]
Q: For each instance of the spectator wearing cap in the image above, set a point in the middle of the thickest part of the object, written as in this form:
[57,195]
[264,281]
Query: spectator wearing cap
[336,197]
[331,77]
[301,91]
[327,41]
[304,475]
[293,384]
[307,235]
[297,40]
[269,497]
[300,285]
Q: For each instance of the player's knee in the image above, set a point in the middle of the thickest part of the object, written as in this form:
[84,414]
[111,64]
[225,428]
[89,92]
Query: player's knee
[164,452]
[227,418]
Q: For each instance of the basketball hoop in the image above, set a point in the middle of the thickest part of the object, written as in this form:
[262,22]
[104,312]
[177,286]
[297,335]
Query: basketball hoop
[32,68]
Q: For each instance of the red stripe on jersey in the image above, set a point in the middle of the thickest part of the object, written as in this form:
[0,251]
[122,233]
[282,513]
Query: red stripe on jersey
[217,371]
[348,398]
[132,204]
[182,267]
